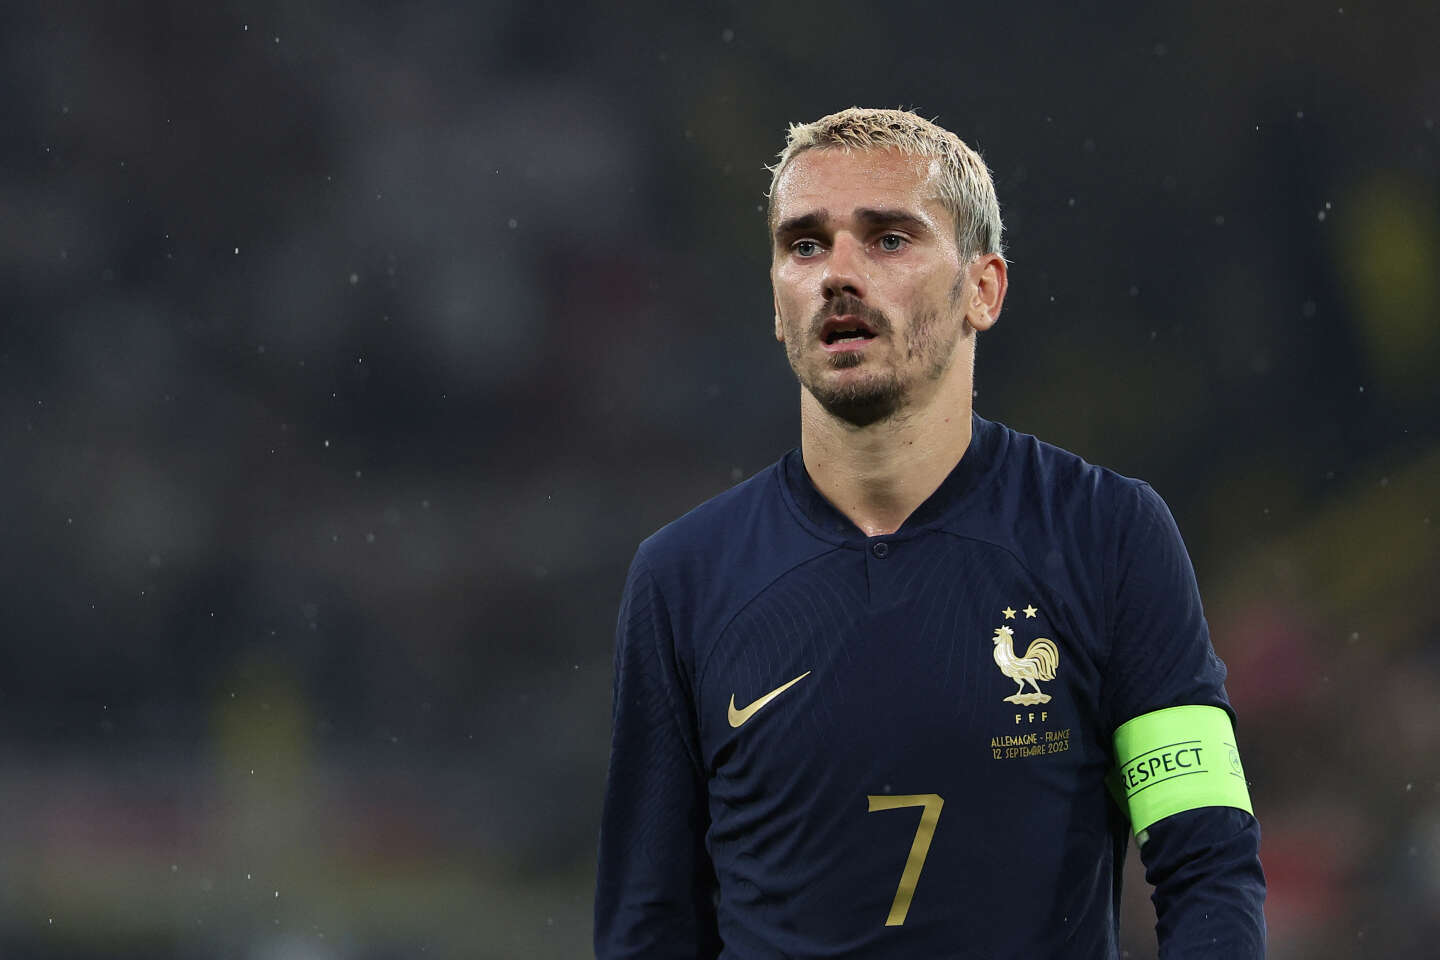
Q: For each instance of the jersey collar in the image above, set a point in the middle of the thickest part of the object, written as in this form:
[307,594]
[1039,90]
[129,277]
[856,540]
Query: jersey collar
[987,442]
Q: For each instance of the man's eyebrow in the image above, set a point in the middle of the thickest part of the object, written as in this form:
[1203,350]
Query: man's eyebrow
[802,223]
[892,218]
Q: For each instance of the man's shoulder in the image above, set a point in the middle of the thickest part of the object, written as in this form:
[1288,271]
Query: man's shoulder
[1046,473]
[717,557]
[720,523]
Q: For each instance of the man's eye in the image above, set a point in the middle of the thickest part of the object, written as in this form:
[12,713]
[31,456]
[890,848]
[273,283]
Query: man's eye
[805,248]
[891,242]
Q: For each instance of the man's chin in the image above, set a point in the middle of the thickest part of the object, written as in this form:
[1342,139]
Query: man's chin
[860,403]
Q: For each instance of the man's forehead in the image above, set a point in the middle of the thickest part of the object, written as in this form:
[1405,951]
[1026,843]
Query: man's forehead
[836,180]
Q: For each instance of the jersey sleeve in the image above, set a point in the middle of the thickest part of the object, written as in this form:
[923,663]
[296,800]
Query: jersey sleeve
[1203,863]
[655,888]
[1160,653]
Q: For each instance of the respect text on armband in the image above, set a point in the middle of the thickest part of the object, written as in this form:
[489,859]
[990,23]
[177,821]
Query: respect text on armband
[1161,764]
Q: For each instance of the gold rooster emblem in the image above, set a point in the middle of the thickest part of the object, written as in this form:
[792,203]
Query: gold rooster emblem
[1039,663]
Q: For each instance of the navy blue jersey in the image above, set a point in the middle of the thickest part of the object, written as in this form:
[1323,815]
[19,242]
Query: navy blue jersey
[832,745]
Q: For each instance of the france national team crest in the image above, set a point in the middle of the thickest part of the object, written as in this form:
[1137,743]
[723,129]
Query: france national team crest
[1039,662]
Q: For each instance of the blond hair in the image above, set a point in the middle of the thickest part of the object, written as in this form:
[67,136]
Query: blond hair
[963,183]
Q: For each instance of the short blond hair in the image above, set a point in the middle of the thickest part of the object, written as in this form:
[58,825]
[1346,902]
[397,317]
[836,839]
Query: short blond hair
[964,184]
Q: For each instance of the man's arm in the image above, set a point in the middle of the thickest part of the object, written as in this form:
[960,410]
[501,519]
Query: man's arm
[654,895]
[1209,888]
[1203,859]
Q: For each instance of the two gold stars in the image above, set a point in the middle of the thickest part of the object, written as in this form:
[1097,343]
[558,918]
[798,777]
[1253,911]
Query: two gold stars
[1029,612]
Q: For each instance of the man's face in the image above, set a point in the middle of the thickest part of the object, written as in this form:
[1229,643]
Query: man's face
[870,289]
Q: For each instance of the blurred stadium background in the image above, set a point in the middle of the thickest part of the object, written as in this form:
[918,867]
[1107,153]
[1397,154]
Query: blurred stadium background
[349,350]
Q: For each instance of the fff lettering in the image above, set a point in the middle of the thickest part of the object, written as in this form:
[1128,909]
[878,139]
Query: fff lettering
[1030,717]
[1184,759]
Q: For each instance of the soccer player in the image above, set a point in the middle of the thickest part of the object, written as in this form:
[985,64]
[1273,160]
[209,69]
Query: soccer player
[907,692]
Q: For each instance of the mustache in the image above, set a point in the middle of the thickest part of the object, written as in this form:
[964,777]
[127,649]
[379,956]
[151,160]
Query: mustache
[848,305]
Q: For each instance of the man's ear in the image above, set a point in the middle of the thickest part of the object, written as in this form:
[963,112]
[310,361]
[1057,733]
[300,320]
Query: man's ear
[990,278]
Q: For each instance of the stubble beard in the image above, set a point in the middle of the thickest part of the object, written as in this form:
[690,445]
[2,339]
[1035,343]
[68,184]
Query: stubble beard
[882,396]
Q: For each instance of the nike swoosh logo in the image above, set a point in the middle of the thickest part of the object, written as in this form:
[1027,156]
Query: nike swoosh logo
[737,717]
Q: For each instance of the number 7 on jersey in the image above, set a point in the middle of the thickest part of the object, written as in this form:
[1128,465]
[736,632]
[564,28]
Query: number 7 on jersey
[932,802]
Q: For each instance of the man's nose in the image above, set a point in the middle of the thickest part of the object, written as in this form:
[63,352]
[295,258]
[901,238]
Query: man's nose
[844,268]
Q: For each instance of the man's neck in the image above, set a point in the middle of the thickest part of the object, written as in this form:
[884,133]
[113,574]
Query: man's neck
[877,475]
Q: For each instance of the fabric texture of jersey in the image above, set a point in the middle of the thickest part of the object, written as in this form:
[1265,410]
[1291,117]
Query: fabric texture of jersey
[976,662]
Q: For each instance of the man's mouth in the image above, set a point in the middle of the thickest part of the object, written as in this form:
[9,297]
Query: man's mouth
[843,331]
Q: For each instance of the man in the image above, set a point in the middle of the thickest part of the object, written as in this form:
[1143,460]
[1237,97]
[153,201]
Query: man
[906,692]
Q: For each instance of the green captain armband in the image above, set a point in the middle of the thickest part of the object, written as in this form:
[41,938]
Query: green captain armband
[1177,759]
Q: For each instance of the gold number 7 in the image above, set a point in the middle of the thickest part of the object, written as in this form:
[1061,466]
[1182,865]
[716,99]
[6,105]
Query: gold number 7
[932,803]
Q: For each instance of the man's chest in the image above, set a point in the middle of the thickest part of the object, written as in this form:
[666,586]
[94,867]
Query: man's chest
[917,744]
[925,658]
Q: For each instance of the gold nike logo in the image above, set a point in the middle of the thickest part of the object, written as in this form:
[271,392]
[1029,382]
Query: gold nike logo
[738,717]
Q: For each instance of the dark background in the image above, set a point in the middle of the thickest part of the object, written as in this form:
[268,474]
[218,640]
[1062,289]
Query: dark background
[349,349]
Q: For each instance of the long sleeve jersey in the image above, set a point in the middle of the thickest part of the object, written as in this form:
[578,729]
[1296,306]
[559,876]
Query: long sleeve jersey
[832,745]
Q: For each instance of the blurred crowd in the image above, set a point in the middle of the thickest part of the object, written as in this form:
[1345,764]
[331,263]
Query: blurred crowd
[347,351]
